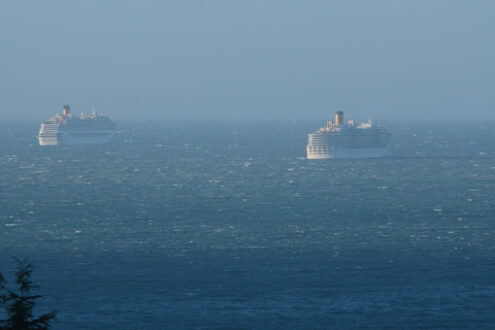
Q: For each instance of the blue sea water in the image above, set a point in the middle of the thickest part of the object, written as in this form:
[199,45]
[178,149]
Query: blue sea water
[225,225]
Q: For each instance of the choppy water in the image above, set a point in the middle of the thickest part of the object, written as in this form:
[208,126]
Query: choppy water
[225,225]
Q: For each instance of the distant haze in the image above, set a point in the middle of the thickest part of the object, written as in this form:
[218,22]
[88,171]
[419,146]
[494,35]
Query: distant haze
[248,59]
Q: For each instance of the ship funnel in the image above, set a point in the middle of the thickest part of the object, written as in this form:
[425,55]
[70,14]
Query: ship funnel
[339,118]
[66,110]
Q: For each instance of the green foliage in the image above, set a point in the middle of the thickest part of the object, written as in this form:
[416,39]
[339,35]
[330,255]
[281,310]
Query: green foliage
[19,305]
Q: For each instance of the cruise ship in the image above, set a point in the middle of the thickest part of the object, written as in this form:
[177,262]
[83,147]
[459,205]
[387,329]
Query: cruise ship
[341,139]
[66,128]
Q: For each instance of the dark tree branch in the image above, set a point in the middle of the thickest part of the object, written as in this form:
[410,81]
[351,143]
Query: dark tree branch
[19,306]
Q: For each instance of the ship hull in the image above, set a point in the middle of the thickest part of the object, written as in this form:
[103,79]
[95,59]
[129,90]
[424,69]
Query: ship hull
[343,153]
[75,138]
[348,143]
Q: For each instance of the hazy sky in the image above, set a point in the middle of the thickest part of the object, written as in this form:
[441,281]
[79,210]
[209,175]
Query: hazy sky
[248,59]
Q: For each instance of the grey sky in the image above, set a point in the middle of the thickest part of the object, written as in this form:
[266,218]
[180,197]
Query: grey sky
[248,59]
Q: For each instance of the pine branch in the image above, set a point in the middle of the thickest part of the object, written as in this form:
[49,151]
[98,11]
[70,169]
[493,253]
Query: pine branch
[19,306]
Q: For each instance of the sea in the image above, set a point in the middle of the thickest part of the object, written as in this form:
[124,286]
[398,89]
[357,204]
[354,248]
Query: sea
[226,225]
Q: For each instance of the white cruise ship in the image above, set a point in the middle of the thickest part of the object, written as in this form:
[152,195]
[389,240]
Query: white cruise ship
[341,139]
[66,128]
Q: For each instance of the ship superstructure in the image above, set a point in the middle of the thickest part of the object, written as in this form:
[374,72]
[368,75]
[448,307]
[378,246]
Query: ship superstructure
[66,128]
[342,139]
